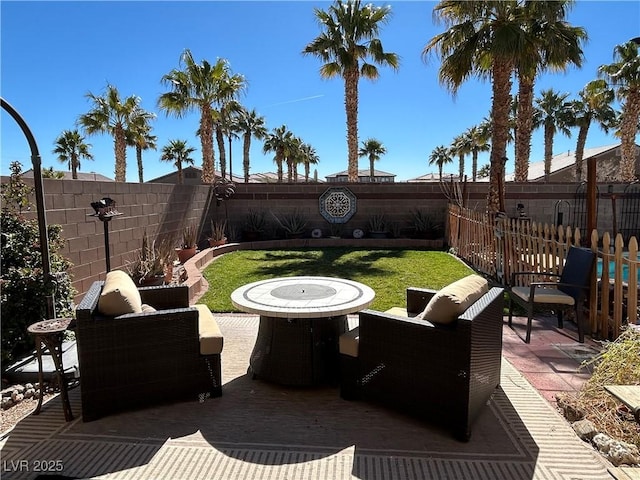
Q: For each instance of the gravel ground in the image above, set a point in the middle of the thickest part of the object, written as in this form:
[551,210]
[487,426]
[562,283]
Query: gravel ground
[11,416]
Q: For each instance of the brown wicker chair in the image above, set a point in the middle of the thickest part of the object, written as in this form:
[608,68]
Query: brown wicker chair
[442,373]
[140,359]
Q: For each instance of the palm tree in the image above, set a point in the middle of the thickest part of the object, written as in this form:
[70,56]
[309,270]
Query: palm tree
[624,74]
[251,125]
[116,117]
[552,44]
[277,142]
[292,156]
[373,149]
[553,113]
[349,38]
[309,157]
[140,137]
[460,146]
[224,121]
[199,87]
[177,151]
[70,148]
[594,105]
[485,39]
[478,141]
[231,128]
[440,156]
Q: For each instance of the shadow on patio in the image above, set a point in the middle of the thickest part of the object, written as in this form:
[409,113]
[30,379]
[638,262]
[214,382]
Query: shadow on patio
[258,430]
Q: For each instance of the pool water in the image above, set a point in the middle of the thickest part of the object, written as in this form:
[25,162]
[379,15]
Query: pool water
[612,266]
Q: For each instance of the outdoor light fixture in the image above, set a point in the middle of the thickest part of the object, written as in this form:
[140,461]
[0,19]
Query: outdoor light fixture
[105,210]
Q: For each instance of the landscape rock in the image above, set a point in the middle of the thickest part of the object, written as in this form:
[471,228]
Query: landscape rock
[617,452]
[585,429]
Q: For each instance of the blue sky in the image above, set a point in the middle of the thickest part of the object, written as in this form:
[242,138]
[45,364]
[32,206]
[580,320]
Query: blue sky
[54,53]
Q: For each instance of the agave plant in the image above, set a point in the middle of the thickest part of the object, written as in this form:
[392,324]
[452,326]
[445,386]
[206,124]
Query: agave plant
[293,223]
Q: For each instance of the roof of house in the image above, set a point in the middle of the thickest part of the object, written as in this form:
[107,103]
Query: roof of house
[69,176]
[434,177]
[361,173]
[196,170]
[561,161]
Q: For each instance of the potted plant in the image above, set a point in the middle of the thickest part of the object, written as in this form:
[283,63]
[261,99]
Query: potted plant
[377,226]
[425,225]
[255,223]
[188,246]
[153,263]
[218,233]
[293,223]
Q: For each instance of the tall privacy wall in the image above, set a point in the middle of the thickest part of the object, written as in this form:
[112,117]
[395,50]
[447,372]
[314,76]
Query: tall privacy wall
[163,209]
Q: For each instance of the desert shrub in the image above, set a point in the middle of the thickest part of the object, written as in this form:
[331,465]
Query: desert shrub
[617,364]
[23,286]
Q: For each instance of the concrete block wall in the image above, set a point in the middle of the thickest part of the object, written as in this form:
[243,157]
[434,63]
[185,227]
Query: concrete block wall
[160,210]
[163,209]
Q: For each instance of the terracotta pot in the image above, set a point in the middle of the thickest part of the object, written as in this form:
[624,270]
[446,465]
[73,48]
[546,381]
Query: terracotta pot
[217,243]
[185,254]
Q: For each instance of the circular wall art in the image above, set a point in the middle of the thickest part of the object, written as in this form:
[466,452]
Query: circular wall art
[337,205]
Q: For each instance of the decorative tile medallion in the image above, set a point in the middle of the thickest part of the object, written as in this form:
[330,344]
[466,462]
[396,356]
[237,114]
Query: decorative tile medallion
[337,205]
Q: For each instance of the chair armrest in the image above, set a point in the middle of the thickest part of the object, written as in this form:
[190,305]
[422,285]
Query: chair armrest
[165,297]
[531,274]
[383,334]
[150,331]
[417,299]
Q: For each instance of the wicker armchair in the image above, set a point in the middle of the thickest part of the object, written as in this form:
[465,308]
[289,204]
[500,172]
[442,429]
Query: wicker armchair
[141,359]
[442,373]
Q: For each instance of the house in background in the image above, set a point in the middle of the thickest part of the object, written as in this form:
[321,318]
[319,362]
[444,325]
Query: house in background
[435,177]
[563,165]
[190,176]
[193,176]
[364,176]
[91,176]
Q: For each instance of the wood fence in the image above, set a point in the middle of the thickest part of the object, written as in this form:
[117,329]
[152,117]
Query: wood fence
[497,246]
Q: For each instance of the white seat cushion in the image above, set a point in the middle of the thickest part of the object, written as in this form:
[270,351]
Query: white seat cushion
[349,342]
[119,295]
[211,340]
[544,295]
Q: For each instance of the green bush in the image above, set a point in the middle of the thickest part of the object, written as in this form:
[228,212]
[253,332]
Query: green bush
[24,290]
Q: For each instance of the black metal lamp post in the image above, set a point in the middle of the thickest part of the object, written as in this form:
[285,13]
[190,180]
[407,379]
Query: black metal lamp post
[40,209]
[105,210]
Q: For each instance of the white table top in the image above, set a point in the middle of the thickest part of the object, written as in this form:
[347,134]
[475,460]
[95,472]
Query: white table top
[303,297]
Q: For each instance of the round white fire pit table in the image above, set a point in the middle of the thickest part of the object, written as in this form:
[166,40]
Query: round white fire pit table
[301,319]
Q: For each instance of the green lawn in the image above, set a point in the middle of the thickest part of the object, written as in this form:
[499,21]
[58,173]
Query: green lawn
[387,271]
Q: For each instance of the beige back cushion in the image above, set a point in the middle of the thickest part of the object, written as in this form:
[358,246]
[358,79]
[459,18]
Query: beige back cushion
[450,302]
[119,295]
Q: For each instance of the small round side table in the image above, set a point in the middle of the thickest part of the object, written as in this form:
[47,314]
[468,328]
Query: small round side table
[50,333]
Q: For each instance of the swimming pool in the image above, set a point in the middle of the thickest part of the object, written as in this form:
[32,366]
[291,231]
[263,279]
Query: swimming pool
[612,268]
